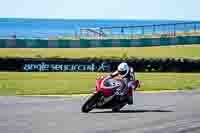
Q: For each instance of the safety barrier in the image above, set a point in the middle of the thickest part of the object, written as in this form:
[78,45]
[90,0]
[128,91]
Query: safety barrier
[54,43]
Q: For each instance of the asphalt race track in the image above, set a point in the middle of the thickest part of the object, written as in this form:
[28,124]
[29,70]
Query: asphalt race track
[152,113]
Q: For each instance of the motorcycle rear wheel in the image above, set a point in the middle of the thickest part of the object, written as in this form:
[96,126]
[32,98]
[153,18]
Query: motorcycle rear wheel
[117,109]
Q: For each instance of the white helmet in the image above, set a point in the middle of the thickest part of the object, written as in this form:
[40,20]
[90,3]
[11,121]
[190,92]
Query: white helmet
[123,69]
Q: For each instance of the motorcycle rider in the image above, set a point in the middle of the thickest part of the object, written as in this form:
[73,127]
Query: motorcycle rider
[127,74]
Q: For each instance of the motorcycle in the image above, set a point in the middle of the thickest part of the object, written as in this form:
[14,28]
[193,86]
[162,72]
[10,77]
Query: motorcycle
[107,95]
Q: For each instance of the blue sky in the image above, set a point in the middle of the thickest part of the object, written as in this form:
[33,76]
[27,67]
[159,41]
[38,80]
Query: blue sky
[102,9]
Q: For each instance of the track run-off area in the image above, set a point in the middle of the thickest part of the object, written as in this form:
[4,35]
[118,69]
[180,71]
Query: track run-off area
[168,112]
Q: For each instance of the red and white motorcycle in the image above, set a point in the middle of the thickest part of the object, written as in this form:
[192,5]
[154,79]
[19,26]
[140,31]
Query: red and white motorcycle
[106,95]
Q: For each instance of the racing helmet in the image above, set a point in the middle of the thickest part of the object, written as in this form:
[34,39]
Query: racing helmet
[123,69]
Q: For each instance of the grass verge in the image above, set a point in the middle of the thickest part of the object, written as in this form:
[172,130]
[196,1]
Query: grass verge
[13,83]
[181,51]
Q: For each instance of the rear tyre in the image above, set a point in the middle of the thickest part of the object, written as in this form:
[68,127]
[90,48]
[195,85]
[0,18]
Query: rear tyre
[90,103]
[117,109]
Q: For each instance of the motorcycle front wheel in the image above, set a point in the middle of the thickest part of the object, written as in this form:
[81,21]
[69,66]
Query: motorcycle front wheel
[90,103]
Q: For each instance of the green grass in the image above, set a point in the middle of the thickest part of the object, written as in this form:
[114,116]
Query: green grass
[187,51]
[12,83]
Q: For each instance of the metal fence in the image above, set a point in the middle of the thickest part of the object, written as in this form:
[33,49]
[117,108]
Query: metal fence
[116,32]
[159,30]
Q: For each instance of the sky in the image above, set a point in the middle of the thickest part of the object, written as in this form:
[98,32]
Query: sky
[101,9]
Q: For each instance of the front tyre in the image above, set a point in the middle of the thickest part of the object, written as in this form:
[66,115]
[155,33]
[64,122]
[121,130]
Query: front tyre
[90,103]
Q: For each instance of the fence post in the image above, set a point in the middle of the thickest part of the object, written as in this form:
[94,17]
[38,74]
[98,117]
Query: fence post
[143,30]
[174,30]
[154,29]
[195,27]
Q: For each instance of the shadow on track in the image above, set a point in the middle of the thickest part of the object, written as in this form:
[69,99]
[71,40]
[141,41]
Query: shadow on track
[136,111]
